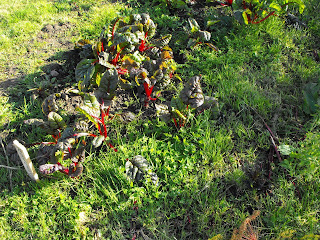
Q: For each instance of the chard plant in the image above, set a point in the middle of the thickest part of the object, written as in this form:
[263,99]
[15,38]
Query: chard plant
[190,102]
[257,11]
[97,114]
[196,36]
[191,97]
[138,168]
[66,145]
[125,55]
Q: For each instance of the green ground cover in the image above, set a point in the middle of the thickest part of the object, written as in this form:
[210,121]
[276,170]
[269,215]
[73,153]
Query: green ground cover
[213,172]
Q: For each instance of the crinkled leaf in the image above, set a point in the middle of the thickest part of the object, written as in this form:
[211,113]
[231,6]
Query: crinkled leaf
[128,63]
[161,42]
[42,124]
[209,103]
[82,43]
[97,141]
[125,39]
[135,18]
[166,55]
[145,17]
[163,112]
[192,94]
[49,104]
[75,171]
[109,80]
[86,52]
[84,71]
[245,16]
[50,168]
[85,110]
[286,149]
[67,133]
[177,103]
[91,108]
[102,95]
[104,60]
[204,35]
[300,4]
[137,167]
[91,101]
[151,28]
[210,22]
[137,56]
[275,6]
[194,26]
[56,121]
[238,15]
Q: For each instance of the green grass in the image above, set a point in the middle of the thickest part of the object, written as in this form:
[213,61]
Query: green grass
[212,174]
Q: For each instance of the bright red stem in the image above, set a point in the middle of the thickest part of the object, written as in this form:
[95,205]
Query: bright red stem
[107,114]
[102,47]
[115,60]
[244,4]
[55,137]
[171,75]
[70,151]
[114,28]
[270,14]
[122,71]
[175,122]
[96,118]
[147,89]
[66,171]
[111,146]
[83,134]
[103,114]
[142,46]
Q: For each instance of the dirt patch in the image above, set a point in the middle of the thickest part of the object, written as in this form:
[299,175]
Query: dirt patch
[54,41]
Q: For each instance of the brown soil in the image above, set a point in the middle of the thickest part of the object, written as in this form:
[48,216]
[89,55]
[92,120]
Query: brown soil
[51,38]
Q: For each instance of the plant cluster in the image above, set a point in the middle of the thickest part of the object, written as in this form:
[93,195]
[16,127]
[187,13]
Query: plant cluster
[245,11]
[126,56]
[257,11]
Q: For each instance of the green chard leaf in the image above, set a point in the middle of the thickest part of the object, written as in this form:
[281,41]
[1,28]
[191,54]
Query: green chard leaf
[56,121]
[84,71]
[138,167]
[109,80]
[194,26]
[97,141]
[91,101]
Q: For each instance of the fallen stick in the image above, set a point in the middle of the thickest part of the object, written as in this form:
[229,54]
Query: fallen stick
[25,159]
